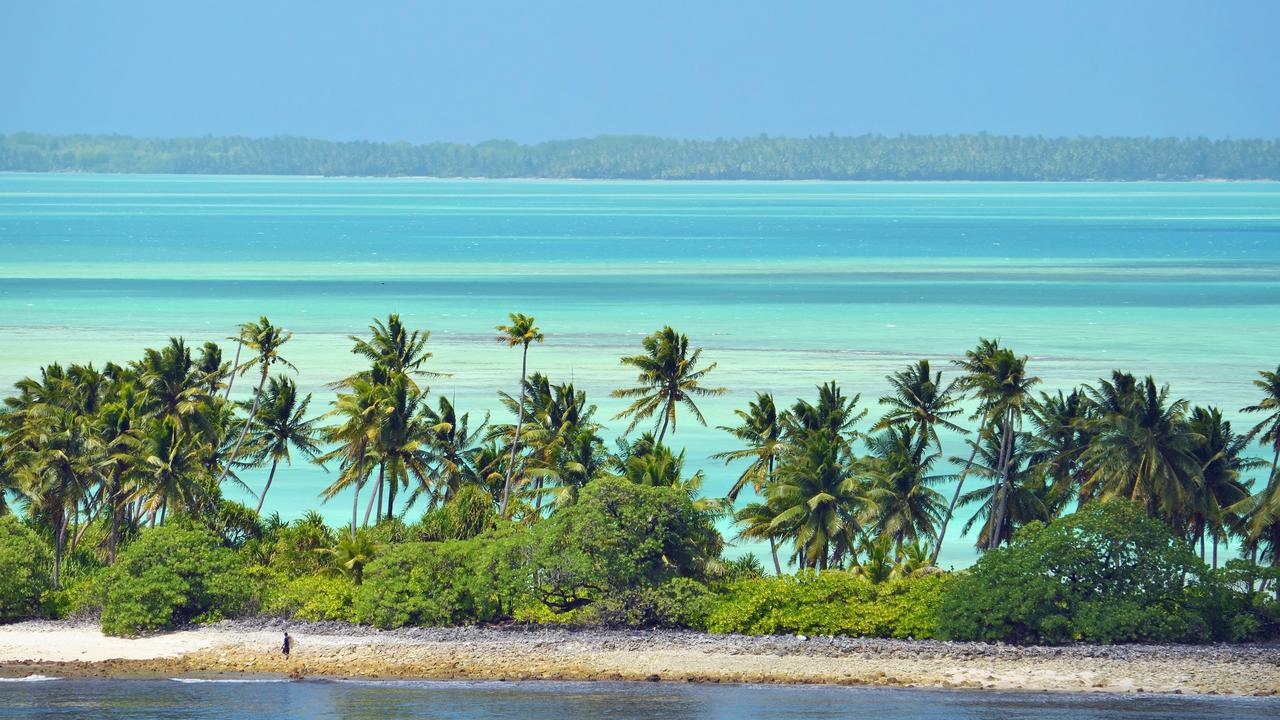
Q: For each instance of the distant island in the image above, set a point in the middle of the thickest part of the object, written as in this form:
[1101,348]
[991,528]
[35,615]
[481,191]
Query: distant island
[865,157]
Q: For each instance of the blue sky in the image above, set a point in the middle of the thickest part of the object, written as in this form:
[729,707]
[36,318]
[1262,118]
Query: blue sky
[421,71]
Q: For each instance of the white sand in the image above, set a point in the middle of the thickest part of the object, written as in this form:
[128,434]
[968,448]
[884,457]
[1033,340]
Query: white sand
[41,642]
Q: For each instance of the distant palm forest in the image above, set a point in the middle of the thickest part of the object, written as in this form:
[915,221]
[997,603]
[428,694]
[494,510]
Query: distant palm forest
[865,157]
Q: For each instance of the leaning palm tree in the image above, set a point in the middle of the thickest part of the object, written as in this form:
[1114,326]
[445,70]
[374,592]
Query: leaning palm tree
[761,430]
[668,377]
[280,424]
[1268,431]
[265,340]
[521,332]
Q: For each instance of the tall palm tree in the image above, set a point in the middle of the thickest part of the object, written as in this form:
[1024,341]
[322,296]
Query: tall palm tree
[402,446]
[668,377]
[265,340]
[975,366]
[1145,450]
[761,430]
[1009,388]
[1223,463]
[922,403]
[280,424]
[359,412]
[1058,440]
[817,501]
[900,500]
[521,332]
[395,348]
[1268,430]
[1029,498]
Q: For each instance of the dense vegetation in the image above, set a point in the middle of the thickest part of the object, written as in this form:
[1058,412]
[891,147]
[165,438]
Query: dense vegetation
[118,473]
[867,157]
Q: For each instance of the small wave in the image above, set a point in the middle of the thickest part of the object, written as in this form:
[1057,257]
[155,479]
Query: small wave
[194,681]
[30,678]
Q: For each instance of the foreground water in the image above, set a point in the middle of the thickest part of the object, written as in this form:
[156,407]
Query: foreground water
[786,285]
[128,699]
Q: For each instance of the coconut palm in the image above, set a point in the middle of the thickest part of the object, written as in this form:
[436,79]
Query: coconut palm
[521,332]
[1008,388]
[900,502]
[1144,450]
[1027,497]
[172,471]
[265,340]
[1223,463]
[761,430]
[1058,440]
[922,403]
[668,377]
[359,413]
[756,522]
[1268,430]
[396,349]
[817,501]
[281,424]
[402,447]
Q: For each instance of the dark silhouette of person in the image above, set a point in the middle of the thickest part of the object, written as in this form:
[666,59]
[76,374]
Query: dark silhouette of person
[288,644]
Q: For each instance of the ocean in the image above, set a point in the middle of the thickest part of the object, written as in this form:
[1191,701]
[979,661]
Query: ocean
[453,700]
[784,285]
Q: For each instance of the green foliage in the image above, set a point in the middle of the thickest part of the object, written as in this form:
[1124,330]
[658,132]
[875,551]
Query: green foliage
[1105,574]
[831,603]
[618,537]
[171,575]
[865,157]
[314,597]
[677,603]
[25,563]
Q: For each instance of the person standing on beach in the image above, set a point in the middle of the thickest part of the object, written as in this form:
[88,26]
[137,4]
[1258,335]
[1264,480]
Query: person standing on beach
[288,645]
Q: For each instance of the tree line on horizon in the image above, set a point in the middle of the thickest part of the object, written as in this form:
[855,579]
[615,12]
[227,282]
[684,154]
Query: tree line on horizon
[866,157]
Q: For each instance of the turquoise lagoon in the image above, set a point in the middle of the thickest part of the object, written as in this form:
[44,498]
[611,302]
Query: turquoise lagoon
[785,285]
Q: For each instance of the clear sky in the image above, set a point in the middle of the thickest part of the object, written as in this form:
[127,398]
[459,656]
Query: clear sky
[534,70]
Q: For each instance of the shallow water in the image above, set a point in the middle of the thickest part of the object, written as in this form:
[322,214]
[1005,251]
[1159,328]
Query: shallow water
[128,699]
[786,285]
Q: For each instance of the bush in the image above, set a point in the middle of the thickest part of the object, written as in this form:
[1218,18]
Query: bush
[831,603]
[25,563]
[1106,574]
[618,538]
[172,575]
[677,603]
[314,597]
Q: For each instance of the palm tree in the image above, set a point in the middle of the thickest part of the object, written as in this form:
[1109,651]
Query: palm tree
[1144,450]
[817,502]
[668,376]
[403,442]
[1009,388]
[1026,495]
[265,340]
[900,502]
[1056,445]
[360,411]
[395,348]
[520,332]
[172,471]
[761,431]
[922,403]
[756,522]
[1223,462]
[1268,430]
[280,424]
[350,556]
[976,365]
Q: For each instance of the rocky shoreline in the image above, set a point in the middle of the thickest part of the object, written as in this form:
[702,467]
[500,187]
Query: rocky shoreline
[526,653]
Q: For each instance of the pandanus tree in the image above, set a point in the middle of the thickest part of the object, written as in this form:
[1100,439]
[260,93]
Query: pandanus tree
[668,377]
[265,341]
[521,332]
[761,430]
[281,424]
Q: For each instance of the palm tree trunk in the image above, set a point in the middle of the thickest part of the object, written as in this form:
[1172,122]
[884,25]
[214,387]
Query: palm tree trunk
[662,431]
[773,550]
[1006,450]
[515,442]
[263,497]
[942,532]
[60,536]
[1215,551]
[235,364]
[355,500]
[373,495]
[392,486]
[244,432]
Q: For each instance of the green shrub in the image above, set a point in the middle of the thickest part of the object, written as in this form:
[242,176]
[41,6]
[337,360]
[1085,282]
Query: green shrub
[677,603]
[25,563]
[1106,574]
[831,603]
[171,575]
[314,597]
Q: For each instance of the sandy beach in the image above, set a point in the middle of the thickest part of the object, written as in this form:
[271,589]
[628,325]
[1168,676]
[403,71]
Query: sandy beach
[338,650]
